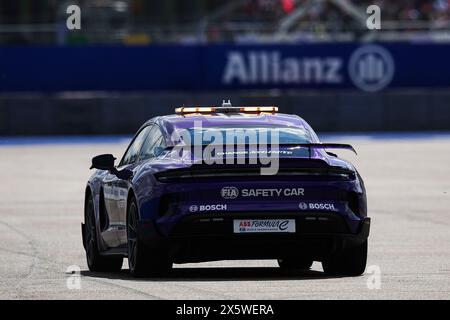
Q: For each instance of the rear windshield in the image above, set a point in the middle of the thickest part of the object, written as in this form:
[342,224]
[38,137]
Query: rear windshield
[246,135]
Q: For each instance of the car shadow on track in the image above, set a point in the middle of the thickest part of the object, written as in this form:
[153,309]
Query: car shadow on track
[218,274]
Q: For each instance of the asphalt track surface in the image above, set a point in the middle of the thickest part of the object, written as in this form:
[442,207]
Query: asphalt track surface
[41,206]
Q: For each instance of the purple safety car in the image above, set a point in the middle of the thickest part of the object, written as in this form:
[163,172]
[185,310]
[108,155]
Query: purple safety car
[218,183]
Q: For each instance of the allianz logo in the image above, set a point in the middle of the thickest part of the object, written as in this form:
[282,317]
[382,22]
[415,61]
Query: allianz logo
[370,68]
[257,67]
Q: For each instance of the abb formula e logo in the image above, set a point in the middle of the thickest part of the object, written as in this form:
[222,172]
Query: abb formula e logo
[265,225]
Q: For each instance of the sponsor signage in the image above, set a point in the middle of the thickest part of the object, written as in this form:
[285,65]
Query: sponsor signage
[367,67]
[321,206]
[269,225]
[360,66]
[208,207]
[233,192]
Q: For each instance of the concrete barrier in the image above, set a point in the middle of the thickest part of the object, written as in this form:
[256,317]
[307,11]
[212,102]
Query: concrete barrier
[87,114]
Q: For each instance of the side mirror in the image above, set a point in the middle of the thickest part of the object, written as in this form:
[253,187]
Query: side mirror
[103,162]
[124,174]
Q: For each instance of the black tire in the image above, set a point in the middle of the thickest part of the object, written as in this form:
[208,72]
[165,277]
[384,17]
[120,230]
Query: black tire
[295,263]
[95,261]
[143,261]
[351,262]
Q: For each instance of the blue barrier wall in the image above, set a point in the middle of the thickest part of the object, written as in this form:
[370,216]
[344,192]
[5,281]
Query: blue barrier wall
[366,67]
[392,110]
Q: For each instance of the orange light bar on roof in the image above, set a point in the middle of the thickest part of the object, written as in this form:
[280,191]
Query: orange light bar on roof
[207,110]
[259,109]
[183,110]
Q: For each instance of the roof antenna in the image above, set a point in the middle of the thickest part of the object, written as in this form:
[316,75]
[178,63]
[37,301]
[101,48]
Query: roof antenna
[226,104]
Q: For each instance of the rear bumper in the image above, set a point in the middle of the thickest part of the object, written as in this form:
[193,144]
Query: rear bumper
[204,238]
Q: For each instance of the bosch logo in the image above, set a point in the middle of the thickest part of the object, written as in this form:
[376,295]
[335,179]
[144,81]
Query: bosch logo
[371,68]
[303,206]
[317,206]
[208,207]
[229,193]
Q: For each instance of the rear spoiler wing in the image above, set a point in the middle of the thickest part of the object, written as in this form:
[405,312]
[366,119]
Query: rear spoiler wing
[311,146]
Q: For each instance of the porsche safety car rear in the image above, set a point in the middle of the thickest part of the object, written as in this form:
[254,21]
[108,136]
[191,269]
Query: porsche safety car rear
[161,205]
[311,210]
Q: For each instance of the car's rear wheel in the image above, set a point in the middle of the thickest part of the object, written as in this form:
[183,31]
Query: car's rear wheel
[95,261]
[350,262]
[295,263]
[143,260]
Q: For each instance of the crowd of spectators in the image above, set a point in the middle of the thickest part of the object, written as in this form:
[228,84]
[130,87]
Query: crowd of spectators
[248,19]
[398,10]
[407,10]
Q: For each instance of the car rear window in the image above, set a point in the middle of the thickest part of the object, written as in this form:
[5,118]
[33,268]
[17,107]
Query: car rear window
[247,135]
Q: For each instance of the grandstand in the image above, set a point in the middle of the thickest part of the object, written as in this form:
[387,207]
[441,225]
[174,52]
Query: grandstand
[261,21]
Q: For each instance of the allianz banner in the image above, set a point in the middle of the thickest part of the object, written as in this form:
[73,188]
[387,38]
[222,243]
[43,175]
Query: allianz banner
[367,67]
